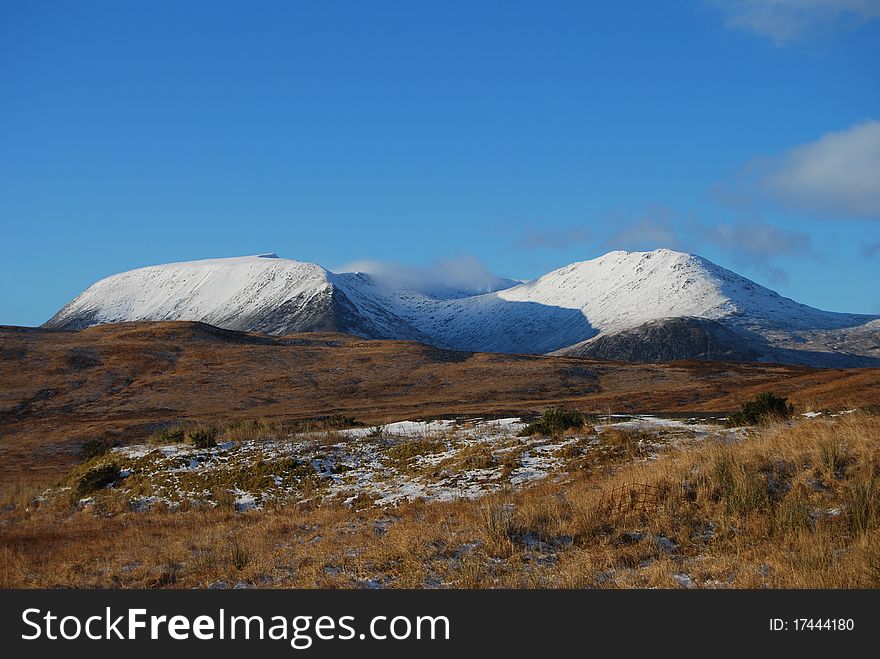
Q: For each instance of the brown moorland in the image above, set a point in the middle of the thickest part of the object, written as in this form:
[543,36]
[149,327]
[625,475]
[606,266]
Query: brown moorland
[123,382]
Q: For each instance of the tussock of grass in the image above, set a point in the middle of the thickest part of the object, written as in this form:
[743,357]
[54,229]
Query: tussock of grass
[475,456]
[628,443]
[510,460]
[861,500]
[739,487]
[498,523]
[404,453]
[832,458]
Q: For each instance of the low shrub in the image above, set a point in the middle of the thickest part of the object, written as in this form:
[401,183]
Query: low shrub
[95,448]
[763,408]
[555,421]
[97,479]
[202,437]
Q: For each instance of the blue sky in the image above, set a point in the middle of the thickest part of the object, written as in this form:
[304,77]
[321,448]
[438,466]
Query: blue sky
[526,135]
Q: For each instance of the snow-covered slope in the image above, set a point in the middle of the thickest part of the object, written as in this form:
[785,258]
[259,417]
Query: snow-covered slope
[254,293]
[568,310]
[216,291]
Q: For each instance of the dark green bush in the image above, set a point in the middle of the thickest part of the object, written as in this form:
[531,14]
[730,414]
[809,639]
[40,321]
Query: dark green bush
[94,448]
[554,421]
[762,408]
[202,437]
[97,479]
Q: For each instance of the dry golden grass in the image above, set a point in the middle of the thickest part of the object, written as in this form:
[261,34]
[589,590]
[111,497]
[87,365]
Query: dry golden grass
[789,506]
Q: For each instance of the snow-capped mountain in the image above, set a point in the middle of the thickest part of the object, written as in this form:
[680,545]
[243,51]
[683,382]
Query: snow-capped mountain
[639,306]
[254,293]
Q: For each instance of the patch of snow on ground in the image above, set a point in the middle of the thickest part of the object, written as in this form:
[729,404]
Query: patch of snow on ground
[365,465]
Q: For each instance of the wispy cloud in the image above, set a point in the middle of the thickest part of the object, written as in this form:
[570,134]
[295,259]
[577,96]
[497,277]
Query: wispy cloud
[465,274]
[785,21]
[837,175]
[756,244]
[749,242]
[553,238]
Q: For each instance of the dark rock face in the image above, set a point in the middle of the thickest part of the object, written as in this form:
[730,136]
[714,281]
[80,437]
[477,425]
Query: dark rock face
[670,339]
[329,311]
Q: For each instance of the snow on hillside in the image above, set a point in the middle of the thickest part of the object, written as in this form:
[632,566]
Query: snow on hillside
[215,291]
[616,291]
[626,289]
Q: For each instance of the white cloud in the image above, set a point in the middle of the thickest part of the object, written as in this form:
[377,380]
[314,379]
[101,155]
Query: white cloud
[465,274]
[837,175]
[785,21]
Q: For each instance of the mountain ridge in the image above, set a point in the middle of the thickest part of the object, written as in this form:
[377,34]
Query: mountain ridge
[601,307]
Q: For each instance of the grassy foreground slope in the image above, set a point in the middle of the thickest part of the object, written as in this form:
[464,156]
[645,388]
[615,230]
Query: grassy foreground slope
[789,505]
